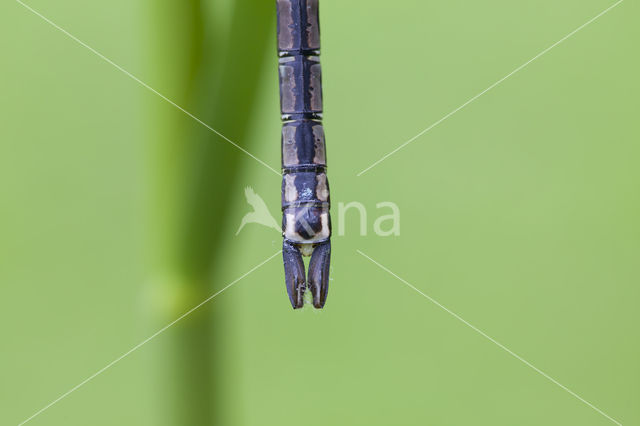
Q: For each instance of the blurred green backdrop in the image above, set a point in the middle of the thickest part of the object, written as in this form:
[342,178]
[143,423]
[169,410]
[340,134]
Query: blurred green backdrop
[118,212]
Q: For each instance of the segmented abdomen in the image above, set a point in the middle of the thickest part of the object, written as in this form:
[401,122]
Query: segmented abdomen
[305,189]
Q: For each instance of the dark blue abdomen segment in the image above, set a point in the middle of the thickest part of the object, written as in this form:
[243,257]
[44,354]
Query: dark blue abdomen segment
[305,206]
[309,225]
[303,145]
[300,85]
[305,188]
[298,25]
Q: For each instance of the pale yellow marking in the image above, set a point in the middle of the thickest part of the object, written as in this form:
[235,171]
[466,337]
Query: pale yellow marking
[289,149]
[288,86]
[285,36]
[315,87]
[306,249]
[320,156]
[322,189]
[290,191]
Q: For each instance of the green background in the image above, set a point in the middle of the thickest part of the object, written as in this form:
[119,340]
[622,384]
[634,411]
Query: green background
[118,213]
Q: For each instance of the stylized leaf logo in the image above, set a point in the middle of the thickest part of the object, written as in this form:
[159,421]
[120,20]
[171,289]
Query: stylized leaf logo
[260,213]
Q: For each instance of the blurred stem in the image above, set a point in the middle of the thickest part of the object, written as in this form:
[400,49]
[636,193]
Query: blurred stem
[192,169]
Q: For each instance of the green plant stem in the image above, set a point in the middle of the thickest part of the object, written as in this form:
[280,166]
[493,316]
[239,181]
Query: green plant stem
[191,173]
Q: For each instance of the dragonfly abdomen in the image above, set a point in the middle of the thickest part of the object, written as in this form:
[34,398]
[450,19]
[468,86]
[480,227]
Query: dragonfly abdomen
[306,223]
